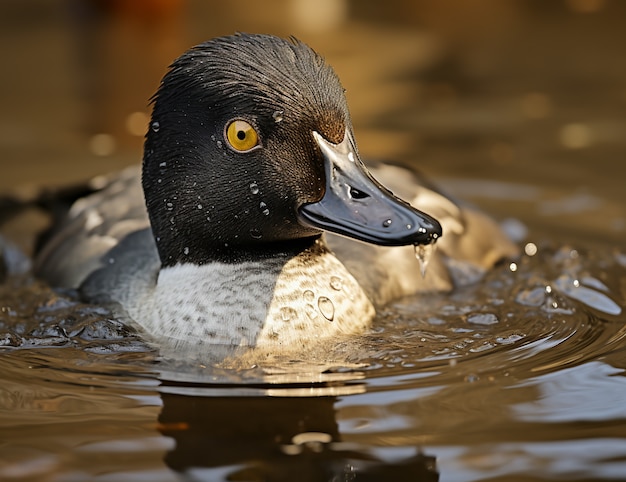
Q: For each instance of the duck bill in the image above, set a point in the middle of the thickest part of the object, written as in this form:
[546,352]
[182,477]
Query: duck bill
[357,206]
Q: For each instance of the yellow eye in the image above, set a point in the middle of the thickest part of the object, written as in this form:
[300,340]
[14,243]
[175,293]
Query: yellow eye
[241,135]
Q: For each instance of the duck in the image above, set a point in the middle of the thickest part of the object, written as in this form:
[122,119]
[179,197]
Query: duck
[252,220]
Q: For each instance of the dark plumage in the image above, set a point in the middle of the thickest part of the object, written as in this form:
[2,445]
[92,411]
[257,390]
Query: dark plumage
[285,90]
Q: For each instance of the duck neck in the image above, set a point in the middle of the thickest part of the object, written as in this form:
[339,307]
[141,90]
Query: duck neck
[173,252]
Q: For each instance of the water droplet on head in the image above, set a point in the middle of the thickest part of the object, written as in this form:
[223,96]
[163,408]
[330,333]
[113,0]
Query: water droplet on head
[254,188]
[170,206]
[199,206]
[308,295]
[278,116]
[387,223]
[155,126]
[163,164]
[219,144]
[326,307]
[264,209]
[186,250]
[423,253]
[255,233]
[336,283]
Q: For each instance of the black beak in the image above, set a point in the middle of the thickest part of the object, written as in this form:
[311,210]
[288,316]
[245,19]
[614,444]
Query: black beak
[358,206]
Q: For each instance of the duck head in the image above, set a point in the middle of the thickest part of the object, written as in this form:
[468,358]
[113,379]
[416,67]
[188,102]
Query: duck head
[250,152]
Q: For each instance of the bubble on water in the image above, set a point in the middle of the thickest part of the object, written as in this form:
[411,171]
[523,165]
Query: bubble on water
[482,319]
[424,253]
[471,378]
[326,308]
[254,188]
[155,126]
[530,249]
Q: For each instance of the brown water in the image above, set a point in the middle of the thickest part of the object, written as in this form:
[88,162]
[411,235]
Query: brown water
[515,106]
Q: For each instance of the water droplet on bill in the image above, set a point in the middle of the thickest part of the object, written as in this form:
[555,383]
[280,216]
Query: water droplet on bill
[423,253]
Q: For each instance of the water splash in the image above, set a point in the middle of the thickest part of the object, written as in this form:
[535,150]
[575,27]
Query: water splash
[424,253]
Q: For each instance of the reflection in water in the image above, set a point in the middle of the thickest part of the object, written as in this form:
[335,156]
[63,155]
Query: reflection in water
[277,439]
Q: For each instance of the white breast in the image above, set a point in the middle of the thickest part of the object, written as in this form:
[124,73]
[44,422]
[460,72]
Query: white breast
[285,302]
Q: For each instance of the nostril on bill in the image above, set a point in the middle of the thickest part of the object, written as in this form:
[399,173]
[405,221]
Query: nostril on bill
[356,194]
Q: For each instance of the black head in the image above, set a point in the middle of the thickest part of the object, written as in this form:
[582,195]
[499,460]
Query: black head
[230,157]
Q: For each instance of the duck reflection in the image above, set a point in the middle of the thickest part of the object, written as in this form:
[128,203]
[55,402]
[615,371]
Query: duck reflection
[272,439]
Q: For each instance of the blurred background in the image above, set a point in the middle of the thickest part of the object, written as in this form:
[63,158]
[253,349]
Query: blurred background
[518,105]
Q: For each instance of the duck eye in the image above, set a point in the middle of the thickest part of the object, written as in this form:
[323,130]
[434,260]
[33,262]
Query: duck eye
[241,135]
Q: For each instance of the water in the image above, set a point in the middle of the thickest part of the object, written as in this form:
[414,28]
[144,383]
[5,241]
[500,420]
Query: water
[517,377]
[423,253]
[504,378]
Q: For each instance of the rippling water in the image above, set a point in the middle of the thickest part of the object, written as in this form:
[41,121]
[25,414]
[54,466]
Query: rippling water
[519,375]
